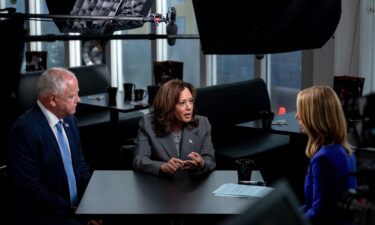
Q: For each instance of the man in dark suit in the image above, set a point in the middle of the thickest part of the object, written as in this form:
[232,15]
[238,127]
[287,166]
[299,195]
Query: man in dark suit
[36,161]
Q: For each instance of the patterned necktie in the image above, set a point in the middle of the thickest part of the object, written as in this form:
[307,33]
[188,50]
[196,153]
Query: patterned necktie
[67,159]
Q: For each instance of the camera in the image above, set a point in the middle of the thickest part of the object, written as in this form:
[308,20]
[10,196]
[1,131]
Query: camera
[361,119]
[359,203]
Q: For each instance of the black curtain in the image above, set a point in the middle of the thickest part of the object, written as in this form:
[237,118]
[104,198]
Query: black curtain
[12,40]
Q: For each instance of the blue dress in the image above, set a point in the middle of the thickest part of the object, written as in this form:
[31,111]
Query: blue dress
[327,179]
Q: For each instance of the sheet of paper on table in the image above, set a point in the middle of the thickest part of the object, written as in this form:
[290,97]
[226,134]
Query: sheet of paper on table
[240,190]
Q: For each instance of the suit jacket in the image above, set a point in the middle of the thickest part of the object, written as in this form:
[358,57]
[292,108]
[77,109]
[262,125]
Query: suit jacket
[152,151]
[328,178]
[36,168]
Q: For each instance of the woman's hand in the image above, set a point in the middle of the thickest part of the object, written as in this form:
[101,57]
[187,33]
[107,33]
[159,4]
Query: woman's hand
[94,222]
[195,162]
[172,166]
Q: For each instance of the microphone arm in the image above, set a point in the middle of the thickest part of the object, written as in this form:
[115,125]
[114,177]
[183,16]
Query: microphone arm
[105,37]
[170,20]
[154,18]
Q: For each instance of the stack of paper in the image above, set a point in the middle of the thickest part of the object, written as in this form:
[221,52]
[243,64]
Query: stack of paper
[239,190]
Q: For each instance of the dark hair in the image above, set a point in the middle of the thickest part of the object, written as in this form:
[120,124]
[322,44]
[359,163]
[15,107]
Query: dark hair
[164,104]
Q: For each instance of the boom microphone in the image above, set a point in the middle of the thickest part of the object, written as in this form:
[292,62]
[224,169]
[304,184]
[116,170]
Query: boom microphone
[171,29]
[171,26]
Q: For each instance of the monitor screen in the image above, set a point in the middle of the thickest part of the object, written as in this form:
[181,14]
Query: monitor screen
[279,207]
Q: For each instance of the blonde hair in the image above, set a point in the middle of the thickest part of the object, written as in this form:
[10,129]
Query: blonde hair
[322,118]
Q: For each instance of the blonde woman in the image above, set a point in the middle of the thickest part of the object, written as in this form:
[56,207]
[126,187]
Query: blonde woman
[321,118]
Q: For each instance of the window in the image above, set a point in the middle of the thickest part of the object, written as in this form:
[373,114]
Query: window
[185,50]
[20,7]
[55,49]
[367,45]
[136,59]
[137,56]
[231,68]
[285,74]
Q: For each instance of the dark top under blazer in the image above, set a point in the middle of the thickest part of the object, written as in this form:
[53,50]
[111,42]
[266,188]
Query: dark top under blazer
[152,151]
[37,171]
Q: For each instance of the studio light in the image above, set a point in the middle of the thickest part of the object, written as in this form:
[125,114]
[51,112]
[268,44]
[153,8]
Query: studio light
[266,26]
[99,19]
[129,14]
[92,52]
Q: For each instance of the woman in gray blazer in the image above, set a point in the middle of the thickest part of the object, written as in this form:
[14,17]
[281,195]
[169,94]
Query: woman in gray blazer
[171,138]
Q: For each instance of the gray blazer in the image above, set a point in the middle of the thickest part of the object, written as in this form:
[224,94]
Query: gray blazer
[152,151]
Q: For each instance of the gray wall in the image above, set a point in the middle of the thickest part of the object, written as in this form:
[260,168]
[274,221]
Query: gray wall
[339,56]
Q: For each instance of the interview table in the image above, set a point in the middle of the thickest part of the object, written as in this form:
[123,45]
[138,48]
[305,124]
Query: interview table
[101,101]
[129,193]
[282,124]
[292,161]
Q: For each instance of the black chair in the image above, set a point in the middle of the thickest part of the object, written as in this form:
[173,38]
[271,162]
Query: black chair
[126,154]
[6,195]
[229,104]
